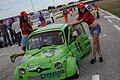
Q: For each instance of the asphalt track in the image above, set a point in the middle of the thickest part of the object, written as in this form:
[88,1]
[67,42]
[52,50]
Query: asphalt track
[110,44]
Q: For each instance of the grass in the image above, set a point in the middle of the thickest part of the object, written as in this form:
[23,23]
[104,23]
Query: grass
[112,6]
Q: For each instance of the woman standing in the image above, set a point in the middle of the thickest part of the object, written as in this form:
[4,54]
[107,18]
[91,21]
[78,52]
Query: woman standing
[26,30]
[42,20]
[65,14]
[95,29]
[51,15]
[25,27]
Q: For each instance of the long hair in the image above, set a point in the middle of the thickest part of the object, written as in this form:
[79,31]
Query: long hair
[80,13]
[23,20]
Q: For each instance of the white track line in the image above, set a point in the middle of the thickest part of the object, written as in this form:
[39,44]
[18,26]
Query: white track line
[117,27]
[4,54]
[104,35]
[109,20]
[109,17]
[110,14]
[95,77]
[101,13]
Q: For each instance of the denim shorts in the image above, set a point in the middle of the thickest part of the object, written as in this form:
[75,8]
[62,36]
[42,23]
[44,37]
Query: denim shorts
[96,29]
[24,41]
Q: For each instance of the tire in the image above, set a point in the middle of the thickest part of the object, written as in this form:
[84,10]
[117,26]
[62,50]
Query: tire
[76,75]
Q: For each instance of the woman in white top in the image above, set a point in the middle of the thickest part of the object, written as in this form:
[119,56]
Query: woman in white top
[51,15]
[16,28]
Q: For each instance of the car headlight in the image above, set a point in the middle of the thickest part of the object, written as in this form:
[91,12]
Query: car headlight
[22,71]
[58,65]
[38,70]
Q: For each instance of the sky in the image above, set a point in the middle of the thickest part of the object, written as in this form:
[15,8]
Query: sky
[10,8]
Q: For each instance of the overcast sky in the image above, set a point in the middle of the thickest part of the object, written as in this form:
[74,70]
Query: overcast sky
[13,7]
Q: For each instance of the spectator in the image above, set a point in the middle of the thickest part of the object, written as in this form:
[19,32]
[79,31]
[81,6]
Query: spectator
[12,32]
[51,15]
[71,11]
[42,20]
[26,30]
[3,29]
[25,27]
[16,28]
[65,14]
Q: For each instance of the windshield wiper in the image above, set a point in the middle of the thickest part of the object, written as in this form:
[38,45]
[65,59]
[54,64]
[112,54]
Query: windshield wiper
[37,52]
[43,46]
[40,50]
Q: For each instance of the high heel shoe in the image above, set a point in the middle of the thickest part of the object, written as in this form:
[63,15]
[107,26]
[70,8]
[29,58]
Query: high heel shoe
[92,61]
[100,59]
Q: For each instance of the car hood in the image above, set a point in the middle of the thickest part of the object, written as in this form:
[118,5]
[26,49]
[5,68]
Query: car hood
[44,55]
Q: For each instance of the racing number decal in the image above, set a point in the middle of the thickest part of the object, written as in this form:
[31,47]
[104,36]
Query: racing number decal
[78,47]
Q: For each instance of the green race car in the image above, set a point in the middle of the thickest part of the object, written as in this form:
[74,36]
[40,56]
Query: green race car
[53,53]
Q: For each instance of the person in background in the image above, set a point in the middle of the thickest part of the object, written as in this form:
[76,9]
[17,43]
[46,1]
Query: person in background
[71,11]
[51,15]
[26,30]
[42,20]
[12,32]
[74,8]
[65,14]
[95,29]
[16,28]
[25,26]
[96,7]
[3,29]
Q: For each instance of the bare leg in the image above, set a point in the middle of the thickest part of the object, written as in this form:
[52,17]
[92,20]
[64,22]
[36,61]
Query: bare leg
[99,48]
[99,52]
[14,56]
[95,45]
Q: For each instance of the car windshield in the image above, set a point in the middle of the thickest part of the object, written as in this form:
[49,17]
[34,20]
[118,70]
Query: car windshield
[46,39]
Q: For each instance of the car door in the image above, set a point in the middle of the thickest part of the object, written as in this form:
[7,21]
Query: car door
[83,41]
[80,41]
[73,43]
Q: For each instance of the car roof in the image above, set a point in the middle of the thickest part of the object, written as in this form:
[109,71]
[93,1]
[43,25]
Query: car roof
[51,27]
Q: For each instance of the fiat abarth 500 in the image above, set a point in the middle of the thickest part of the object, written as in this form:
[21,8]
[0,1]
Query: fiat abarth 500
[53,53]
